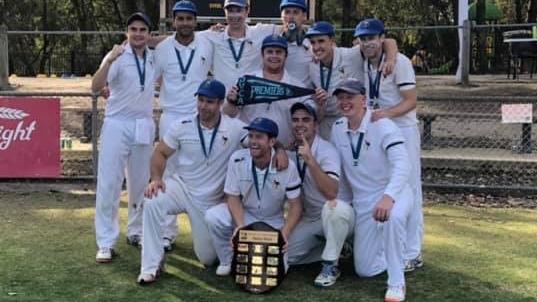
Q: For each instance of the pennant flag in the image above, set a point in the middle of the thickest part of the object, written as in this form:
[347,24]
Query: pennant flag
[256,90]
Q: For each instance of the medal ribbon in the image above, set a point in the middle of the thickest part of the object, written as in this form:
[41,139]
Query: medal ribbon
[184,70]
[374,85]
[141,69]
[202,138]
[236,57]
[256,182]
[356,151]
[325,83]
[301,170]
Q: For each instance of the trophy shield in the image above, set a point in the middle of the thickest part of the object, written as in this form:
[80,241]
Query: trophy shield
[258,260]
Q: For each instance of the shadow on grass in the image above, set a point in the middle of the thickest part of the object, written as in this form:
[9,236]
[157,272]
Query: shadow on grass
[51,258]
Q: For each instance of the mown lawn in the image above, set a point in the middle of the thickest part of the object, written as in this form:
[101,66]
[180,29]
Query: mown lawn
[47,251]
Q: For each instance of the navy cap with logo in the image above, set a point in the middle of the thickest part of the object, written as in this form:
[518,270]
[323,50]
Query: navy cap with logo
[239,3]
[274,41]
[352,86]
[138,16]
[294,3]
[369,27]
[306,107]
[185,6]
[212,89]
[264,125]
[321,28]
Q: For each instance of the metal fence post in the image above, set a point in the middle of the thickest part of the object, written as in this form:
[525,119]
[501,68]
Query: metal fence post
[466,48]
[4,59]
[94,119]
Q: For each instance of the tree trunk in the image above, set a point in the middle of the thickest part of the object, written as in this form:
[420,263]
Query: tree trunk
[518,11]
[319,10]
[481,36]
[532,11]
[346,38]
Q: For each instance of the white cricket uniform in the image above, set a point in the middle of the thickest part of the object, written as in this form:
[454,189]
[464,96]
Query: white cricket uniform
[278,187]
[197,185]
[278,111]
[403,78]
[177,91]
[346,63]
[381,167]
[225,68]
[126,143]
[319,220]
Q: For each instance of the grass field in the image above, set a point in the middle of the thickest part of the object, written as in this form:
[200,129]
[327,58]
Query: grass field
[47,251]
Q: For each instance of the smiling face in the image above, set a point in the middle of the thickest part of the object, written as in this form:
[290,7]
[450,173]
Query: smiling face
[303,125]
[274,58]
[260,144]
[349,104]
[371,45]
[322,47]
[293,15]
[184,24]
[236,16]
[138,34]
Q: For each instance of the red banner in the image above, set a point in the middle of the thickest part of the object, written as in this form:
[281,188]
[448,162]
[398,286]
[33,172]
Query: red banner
[29,137]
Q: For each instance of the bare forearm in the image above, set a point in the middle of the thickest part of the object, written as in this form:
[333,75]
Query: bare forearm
[390,49]
[293,216]
[99,79]
[326,184]
[235,208]
[408,104]
[158,165]
[230,110]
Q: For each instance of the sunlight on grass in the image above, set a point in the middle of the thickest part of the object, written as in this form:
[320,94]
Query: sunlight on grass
[190,279]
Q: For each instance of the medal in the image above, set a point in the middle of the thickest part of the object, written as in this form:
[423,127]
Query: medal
[141,70]
[236,56]
[374,85]
[184,69]
[356,151]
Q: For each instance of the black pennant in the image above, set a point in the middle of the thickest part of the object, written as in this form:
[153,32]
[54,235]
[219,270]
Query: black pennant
[256,90]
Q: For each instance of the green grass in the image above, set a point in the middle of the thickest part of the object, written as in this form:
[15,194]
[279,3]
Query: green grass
[47,251]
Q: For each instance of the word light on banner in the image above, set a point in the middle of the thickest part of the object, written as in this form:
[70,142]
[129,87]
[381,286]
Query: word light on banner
[517,113]
[29,136]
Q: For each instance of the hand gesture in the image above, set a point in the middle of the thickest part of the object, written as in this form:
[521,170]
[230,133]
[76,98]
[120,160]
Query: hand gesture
[117,50]
[280,160]
[304,149]
[387,67]
[382,210]
[153,187]
[320,97]
[233,95]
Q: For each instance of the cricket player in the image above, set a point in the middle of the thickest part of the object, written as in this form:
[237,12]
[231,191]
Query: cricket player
[324,216]
[376,165]
[203,143]
[395,97]
[127,135]
[255,191]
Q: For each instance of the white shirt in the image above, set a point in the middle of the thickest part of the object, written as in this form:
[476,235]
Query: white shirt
[204,177]
[382,166]
[278,187]
[346,63]
[177,95]
[225,68]
[402,78]
[328,159]
[278,111]
[127,100]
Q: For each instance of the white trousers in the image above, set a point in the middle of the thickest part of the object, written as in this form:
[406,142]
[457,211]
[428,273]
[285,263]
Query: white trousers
[379,246]
[415,220]
[221,227]
[120,156]
[321,239]
[174,201]
[169,223]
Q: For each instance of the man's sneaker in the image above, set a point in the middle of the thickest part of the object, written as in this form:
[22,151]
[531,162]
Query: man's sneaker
[134,240]
[346,251]
[105,255]
[395,294]
[413,264]
[168,244]
[328,275]
[223,270]
[144,279]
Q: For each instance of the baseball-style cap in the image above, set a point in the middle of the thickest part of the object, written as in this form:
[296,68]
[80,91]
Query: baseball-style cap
[264,125]
[350,85]
[239,3]
[306,107]
[139,16]
[185,6]
[294,3]
[274,41]
[212,89]
[369,27]
[321,28]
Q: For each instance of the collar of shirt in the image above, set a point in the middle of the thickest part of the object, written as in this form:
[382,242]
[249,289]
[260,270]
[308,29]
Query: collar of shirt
[363,125]
[271,169]
[180,46]
[129,50]
[247,35]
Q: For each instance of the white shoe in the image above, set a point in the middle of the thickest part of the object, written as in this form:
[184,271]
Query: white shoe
[395,294]
[168,244]
[223,270]
[104,255]
[328,276]
[413,264]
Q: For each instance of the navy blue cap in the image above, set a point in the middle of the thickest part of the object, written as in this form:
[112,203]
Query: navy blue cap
[139,17]
[321,28]
[274,41]
[264,125]
[369,27]
[185,6]
[239,3]
[306,107]
[350,85]
[294,3]
[212,89]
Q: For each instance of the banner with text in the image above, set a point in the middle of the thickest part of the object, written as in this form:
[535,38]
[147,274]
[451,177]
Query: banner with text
[255,90]
[29,137]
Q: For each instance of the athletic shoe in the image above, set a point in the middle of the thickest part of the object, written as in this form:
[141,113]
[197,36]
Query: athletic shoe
[223,270]
[105,255]
[328,275]
[413,264]
[168,244]
[134,240]
[395,294]
[144,279]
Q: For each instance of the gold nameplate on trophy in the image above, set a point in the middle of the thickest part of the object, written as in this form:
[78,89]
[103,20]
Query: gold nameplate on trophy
[273,250]
[256,281]
[272,271]
[258,236]
[272,261]
[259,249]
[257,270]
[241,279]
[257,260]
[271,282]
[243,247]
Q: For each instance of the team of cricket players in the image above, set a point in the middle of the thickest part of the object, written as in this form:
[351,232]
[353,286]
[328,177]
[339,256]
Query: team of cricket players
[345,161]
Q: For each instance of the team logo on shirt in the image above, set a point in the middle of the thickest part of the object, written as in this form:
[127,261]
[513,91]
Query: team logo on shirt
[275,184]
